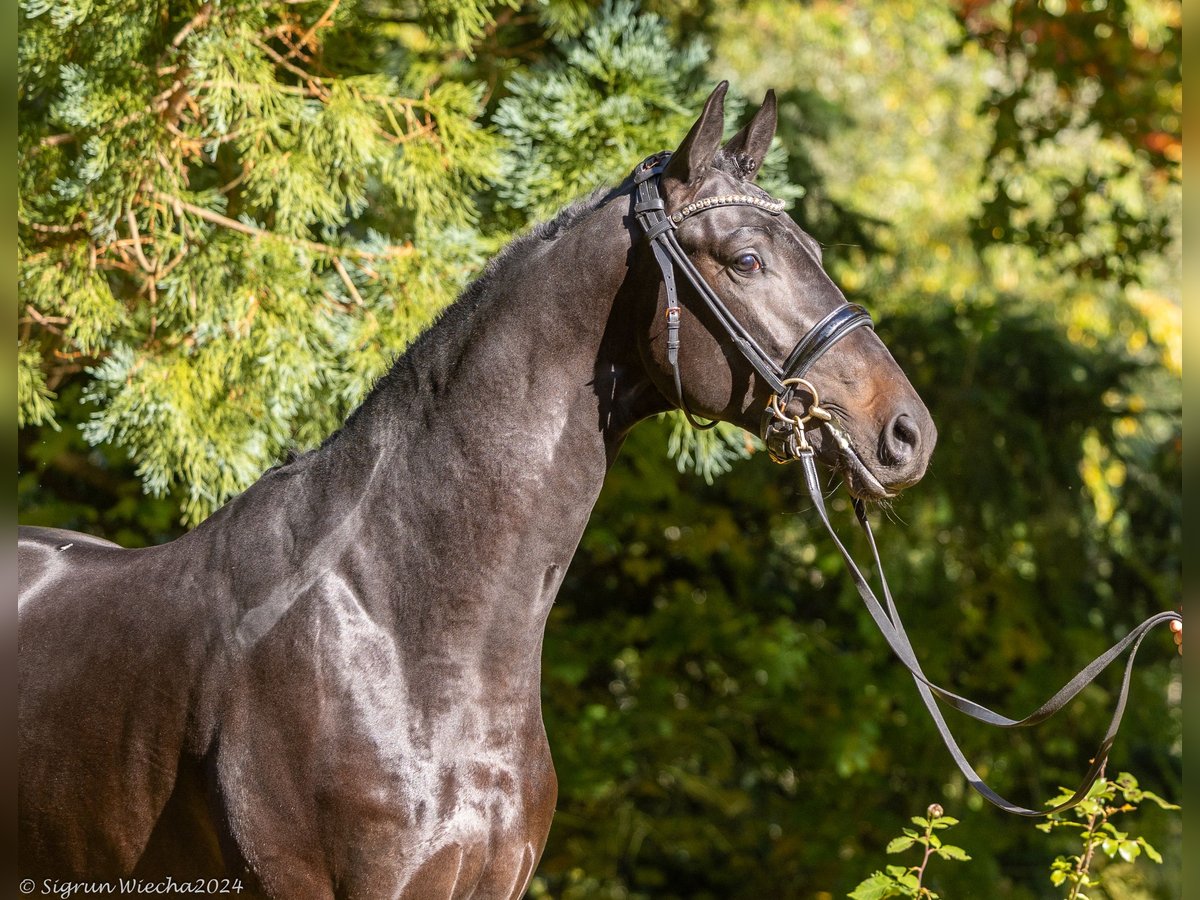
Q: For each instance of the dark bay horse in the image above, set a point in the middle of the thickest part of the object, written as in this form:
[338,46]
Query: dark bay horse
[331,686]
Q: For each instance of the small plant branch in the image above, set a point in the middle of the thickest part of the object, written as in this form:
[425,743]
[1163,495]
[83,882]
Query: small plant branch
[1090,838]
[53,140]
[315,83]
[216,218]
[199,20]
[925,859]
[345,276]
[143,261]
[56,229]
[50,323]
[307,37]
[909,881]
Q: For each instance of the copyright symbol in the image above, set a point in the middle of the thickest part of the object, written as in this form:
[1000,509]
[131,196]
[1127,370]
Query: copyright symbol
[27,886]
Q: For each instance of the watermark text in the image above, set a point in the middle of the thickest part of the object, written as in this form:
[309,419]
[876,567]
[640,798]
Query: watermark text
[130,887]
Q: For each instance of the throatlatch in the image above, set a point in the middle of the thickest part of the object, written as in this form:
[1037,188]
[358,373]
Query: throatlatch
[784,382]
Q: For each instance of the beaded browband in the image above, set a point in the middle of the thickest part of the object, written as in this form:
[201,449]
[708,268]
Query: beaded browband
[770,204]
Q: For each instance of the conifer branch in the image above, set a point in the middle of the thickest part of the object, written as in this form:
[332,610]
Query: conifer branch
[345,276]
[308,35]
[315,82]
[197,21]
[131,220]
[216,218]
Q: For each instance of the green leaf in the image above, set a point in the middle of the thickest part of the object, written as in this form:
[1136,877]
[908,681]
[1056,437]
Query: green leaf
[909,880]
[1150,851]
[877,887]
[900,844]
[1149,795]
[1129,850]
[949,851]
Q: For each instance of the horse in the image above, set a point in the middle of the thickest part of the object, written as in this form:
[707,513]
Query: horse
[331,687]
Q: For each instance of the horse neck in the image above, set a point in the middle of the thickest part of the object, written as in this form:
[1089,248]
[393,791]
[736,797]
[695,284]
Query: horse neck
[453,500]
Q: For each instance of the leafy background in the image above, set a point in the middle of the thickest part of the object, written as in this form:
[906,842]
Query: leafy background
[233,215]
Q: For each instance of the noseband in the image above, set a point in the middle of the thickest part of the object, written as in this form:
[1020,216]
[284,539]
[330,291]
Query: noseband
[659,227]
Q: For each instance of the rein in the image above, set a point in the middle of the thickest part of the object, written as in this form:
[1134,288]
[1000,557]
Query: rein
[784,380]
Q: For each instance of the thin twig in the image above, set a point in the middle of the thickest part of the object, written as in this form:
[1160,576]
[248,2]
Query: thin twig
[284,88]
[53,140]
[197,21]
[47,322]
[173,262]
[56,229]
[326,249]
[131,220]
[235,181]
[345,276]
[308,35]
[315,82]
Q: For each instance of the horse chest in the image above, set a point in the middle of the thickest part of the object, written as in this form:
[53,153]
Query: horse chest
[429,779]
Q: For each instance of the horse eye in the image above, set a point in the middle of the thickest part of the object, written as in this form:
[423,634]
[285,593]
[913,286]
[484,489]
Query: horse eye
[747,262]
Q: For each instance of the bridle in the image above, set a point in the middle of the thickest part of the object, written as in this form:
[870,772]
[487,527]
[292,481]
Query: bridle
[659,227]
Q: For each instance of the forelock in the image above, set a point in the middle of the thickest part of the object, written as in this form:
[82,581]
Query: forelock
[740,165]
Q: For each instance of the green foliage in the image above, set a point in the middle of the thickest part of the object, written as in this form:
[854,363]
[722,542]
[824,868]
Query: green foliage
[901,881]
[194,206]
[1067,178]
[1092,820]
[711,452]
[617,94]
[34,405]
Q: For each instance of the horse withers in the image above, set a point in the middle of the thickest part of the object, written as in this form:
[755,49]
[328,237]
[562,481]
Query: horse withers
[331,686]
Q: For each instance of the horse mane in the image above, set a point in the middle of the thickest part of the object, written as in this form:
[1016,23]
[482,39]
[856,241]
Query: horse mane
[431,349]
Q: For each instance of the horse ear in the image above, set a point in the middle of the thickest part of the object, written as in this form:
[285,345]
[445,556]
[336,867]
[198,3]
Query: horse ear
[700,147]
[750,145]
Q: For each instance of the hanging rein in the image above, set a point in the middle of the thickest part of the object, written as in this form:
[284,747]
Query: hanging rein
[785,381]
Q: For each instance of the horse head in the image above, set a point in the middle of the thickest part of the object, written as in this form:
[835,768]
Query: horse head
[767,278]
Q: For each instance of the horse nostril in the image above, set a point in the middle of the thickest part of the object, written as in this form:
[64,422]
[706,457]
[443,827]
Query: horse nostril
[900,440]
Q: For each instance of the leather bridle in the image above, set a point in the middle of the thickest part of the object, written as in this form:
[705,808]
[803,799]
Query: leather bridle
[659,227]
[783,380]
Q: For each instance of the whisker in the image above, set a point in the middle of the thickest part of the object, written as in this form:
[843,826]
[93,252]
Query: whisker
[834,484]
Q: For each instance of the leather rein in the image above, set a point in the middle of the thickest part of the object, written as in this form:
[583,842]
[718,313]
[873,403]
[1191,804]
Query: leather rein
[784,381]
